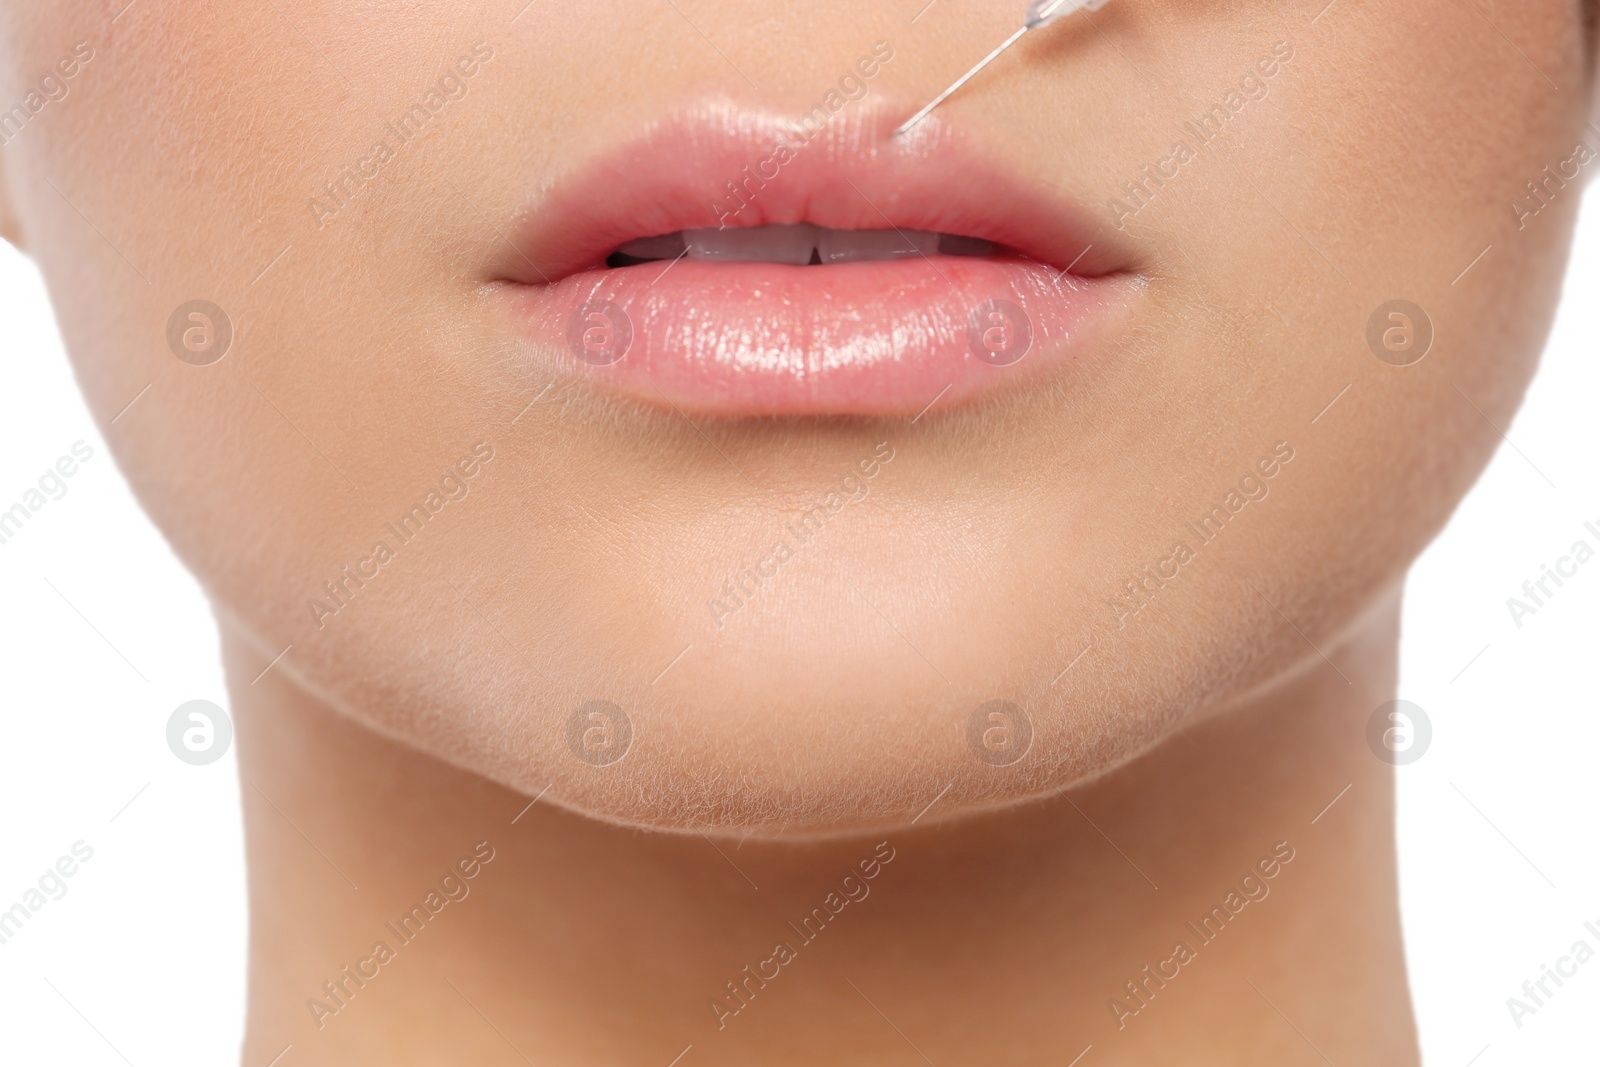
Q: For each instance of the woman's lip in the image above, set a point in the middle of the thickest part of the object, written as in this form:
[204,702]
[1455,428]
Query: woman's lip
[867,338]
[877,338]
[719,166]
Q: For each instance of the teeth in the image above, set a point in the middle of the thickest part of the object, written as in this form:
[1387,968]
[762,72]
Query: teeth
[800,244]
[755,244]
[851,246]
[667,246]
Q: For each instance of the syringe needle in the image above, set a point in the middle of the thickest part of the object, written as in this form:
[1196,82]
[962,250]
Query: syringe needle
[1039,13]
[942,97]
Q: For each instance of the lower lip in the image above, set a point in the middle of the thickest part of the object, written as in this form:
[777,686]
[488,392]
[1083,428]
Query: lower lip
[882,338]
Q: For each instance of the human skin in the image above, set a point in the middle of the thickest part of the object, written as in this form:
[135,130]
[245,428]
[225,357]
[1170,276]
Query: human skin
[371,353]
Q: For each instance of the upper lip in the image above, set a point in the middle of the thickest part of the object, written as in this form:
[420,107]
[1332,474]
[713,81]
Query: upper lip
[685,171]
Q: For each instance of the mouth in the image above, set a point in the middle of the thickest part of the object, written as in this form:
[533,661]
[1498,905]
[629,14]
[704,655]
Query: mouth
[735,265]
[796,244]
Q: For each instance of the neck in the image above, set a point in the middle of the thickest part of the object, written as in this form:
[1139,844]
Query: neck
[1116,916]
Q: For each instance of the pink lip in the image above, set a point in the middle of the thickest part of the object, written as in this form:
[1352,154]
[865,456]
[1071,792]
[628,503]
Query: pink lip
[748,339]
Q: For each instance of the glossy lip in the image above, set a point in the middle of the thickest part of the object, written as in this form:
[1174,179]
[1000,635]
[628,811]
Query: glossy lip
[753,339]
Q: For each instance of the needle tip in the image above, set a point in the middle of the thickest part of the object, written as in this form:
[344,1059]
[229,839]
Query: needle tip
[905,126]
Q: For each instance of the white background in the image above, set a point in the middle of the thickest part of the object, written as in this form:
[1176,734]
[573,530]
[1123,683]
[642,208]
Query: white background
[103,634]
